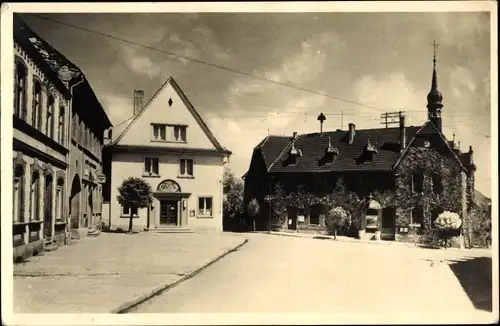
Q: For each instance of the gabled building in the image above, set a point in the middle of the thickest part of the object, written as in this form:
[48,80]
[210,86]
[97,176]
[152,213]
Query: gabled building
[168,145]
[426,173]
[48,89]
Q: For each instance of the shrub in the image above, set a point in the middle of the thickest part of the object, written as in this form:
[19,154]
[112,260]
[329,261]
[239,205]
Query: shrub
[136,193]
[430,238]
[447,225]
[253,210]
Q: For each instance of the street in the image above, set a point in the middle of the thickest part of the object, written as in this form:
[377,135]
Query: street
[274,274]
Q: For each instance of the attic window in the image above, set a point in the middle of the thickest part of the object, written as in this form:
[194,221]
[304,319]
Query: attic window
[170,102]
[331,153]
[294,153]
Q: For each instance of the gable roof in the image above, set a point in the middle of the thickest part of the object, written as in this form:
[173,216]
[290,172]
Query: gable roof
[314,145]
[428,128]
[189,106]
[271,147]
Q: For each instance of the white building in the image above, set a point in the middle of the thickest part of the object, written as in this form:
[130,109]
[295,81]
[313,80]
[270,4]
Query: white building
[168,145]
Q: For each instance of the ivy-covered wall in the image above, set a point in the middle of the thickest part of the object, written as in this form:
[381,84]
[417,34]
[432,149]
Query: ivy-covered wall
[429,163]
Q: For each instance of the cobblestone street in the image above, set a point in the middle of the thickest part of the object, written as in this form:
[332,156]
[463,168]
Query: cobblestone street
[100,274]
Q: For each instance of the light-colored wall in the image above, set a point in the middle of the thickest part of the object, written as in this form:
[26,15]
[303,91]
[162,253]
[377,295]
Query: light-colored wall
[159,111]
[207,181]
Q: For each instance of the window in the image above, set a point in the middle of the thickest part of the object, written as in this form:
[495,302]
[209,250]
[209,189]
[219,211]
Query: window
[20,78]
[171,133]
[36,119]
[18,194]
[314,215]
[126,210]
[60,136]
[437,183]
[417,216]
[205,206]
[35,197]
[418,182]
[151,165]
[74,126]
[49,128]
[186,167]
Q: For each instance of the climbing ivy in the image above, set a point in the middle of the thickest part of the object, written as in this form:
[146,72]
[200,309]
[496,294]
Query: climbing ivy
[428,161]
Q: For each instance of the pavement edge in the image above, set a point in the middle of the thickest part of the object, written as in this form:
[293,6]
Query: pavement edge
[123,308]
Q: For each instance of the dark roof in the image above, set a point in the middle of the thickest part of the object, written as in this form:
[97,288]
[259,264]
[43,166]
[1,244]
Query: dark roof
[313,147]
[61,71]
[271,147]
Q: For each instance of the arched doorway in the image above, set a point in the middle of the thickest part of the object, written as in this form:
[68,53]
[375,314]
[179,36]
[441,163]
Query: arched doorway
[74,202]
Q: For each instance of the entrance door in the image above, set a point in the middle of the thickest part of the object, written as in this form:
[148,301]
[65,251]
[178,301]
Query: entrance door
[168,212]
[388,225]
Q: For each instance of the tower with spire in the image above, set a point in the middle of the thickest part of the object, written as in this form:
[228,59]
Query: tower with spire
[435,98]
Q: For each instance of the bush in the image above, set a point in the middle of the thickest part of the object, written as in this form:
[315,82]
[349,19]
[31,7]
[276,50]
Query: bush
[336,219]
[447,226]
[430,239]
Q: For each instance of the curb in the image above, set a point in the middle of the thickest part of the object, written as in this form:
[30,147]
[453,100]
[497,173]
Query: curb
[386,243]
[123,308]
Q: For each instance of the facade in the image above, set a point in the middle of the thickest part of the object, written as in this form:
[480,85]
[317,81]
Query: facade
[416,167]
[168,145]
[44,88]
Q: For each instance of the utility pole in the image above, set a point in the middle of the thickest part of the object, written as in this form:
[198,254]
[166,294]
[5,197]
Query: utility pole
[391,118]
[341,119]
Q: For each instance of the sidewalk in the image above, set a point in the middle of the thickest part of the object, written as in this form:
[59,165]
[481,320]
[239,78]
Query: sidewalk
[113,271]
[381,242]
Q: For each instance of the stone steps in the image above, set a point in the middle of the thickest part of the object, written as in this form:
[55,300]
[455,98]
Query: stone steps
[171,230]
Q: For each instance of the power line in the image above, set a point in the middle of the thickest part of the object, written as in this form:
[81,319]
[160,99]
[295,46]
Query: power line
[213,65]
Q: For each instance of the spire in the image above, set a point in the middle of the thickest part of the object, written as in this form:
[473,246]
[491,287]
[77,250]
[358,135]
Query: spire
[435,98]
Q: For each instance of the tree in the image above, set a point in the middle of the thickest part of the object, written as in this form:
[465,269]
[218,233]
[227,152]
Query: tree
[134,193]
[253,210]
[233,195]
[335,218]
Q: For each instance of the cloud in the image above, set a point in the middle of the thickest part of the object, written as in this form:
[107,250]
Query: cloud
[389,92]
[461,80]
[140,64]
[118,108]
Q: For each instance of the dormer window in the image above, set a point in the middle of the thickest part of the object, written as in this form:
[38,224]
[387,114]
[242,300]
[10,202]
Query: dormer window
[331,153]
[294,153]
[369,151]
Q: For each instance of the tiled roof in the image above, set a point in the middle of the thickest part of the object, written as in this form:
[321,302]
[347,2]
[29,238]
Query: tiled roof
[271,147]
[314,146]
[55,64]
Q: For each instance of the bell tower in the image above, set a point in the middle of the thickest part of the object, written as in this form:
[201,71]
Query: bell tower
[435,98]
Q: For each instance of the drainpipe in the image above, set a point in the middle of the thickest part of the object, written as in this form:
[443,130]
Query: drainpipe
[68,141]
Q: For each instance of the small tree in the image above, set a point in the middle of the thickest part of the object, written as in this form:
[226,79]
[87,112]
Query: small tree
[253,210]
[233,195]
[447,223]
[135,193]
[335,218]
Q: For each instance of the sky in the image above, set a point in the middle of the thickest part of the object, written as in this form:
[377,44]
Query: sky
[381,60]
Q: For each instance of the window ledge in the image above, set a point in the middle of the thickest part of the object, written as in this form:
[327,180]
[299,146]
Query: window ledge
[168,141]
[128,216]
[19,223]
[204,216]
[185,177]
[59,222]
[146,175]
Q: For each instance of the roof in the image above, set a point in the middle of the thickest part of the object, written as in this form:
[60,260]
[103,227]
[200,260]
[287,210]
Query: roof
[170,81]
[313,147]
[61,71]
[271,147]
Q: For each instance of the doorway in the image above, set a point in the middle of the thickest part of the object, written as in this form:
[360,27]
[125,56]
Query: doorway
[47,221]
[388,223]
[169,212]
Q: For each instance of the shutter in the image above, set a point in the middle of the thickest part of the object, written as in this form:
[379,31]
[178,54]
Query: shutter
[183,133]
[21,197]
[146,165]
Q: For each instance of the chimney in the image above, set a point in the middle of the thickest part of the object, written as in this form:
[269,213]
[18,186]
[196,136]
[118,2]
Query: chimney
[471,160]
[352,132]
[138,100]
[321,118]
[294,135]
[402,133]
